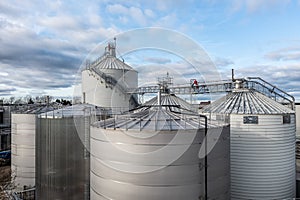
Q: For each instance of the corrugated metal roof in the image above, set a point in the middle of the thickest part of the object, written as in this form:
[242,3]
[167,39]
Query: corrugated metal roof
[154,118]
[34,109]
[70,111]
[172,114]
[246,102]
[170,99]
[110,62]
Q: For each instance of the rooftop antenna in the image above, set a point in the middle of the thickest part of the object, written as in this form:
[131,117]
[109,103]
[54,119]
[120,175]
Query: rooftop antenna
[113,47]
[115,44]
[115,40]
[164,83]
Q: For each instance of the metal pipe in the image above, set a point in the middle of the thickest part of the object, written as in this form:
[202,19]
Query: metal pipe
[83,95]
[205,159]
[159,97]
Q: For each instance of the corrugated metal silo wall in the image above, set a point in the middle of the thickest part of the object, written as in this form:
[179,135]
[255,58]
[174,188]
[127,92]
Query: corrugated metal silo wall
[62,164]
[184,178]
[262,157]
[298,149]
[298,120]
[23,150]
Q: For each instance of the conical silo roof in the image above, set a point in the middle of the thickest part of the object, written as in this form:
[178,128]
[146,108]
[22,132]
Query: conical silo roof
[110,61]
[71,111]
[246,102]
[34,109]
[173,113]
[169,99]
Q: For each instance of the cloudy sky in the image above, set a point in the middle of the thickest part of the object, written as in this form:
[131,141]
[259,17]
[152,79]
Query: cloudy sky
[43,43]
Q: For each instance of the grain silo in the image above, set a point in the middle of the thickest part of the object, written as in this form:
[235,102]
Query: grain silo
[152,153]
[262,145]
[23,132]
[297,108]
[62,155]
[297,168]
[106,80]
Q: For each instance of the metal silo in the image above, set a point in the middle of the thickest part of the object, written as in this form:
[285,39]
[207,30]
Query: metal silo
[262,145]
[297,168]
[23,132]
[152,152]
[62,156]
[23,150]
[297,108]
[106,80]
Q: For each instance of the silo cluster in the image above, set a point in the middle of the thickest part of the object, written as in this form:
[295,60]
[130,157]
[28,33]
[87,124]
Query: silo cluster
[242,146]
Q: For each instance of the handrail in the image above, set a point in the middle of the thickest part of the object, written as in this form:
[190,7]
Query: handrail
[270,90]
[255,83]
[274,87]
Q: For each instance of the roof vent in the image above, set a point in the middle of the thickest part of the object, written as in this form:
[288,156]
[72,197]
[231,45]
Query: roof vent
[110,49]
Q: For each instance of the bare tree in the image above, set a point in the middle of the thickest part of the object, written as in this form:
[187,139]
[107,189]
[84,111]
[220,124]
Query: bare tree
[11,100]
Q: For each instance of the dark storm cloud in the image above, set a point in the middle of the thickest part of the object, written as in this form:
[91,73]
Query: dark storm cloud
[7,91]
[43,43]
[33,61]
